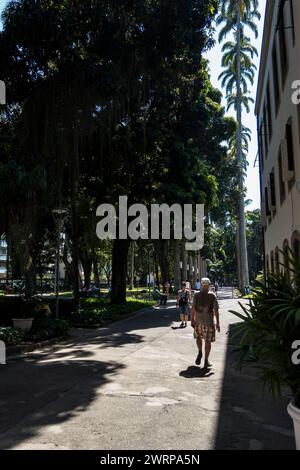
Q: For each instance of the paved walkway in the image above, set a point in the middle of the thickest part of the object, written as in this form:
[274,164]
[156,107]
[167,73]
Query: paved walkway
[133,385]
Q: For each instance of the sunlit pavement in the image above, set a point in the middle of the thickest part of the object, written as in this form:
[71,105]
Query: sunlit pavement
[134,385]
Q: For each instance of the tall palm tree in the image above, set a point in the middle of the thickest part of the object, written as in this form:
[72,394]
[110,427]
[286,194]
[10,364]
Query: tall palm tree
[229,15]
[232,145]
[229,62]
[237,16]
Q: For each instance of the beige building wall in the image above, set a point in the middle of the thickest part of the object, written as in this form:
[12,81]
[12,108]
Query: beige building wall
[279,144]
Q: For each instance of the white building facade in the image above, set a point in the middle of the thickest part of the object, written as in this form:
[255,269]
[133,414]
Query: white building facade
[278,124]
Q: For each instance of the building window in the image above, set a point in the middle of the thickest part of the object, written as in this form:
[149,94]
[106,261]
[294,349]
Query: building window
[282,42]
[261,144]
[266,131]
[272,263]
[296,245]
[273,192]
[268,212]
[282,189]
[275,77]
[292,21]
[269,113]
[277,263]
[290,149]
[286,260]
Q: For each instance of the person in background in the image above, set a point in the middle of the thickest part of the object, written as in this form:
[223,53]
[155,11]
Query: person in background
[183,303]
[188,285]
[216,287]
[167,288]
[197,285]
[162,298]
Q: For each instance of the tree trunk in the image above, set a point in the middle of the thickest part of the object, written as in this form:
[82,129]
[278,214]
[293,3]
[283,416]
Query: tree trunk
[238,259]
[119,271]
[177,280]
[68,275]
[7,259]
[184,263]
[74,217]
[194,269]
[67,264]
[132,266]
[96,272]
[30,277]
[244,272]
[87,270]
[161,247]
[156,270]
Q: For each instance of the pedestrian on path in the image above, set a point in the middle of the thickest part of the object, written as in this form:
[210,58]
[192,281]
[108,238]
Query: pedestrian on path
[162,298]
[216,288]
[167,288]
[183,303]
[205,308]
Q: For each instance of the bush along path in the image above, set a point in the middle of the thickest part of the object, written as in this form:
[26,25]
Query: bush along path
[93,313]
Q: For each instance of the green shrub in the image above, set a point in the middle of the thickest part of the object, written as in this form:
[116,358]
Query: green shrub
[18,307]
[270,325]
[46,328]
[94,311]
[11,336]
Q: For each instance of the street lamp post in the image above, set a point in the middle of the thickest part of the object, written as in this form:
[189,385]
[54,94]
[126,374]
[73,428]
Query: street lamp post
[58,216]
[181,268]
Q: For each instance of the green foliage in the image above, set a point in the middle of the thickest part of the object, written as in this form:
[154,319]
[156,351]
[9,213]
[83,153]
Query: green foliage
[112,98]
[42,329]
[48,328]
[220,245]
[93,311]
[11,336]
[254,242]
[270,324]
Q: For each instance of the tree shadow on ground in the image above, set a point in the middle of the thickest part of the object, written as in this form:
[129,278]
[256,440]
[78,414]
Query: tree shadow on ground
[124,332]
[248,419]
[38,393]
[50,387]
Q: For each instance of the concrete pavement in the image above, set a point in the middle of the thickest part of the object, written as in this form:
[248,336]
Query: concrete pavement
[134,385]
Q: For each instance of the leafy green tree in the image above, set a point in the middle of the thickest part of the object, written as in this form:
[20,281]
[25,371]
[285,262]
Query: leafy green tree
[112,98]
[255,243]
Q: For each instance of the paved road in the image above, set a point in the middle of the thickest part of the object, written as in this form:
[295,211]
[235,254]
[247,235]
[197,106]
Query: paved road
[133,385]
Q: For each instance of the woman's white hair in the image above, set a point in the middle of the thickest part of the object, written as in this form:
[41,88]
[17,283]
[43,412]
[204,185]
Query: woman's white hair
[205,280]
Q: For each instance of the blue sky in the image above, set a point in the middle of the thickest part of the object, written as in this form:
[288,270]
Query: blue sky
[2,3]
[214,57]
